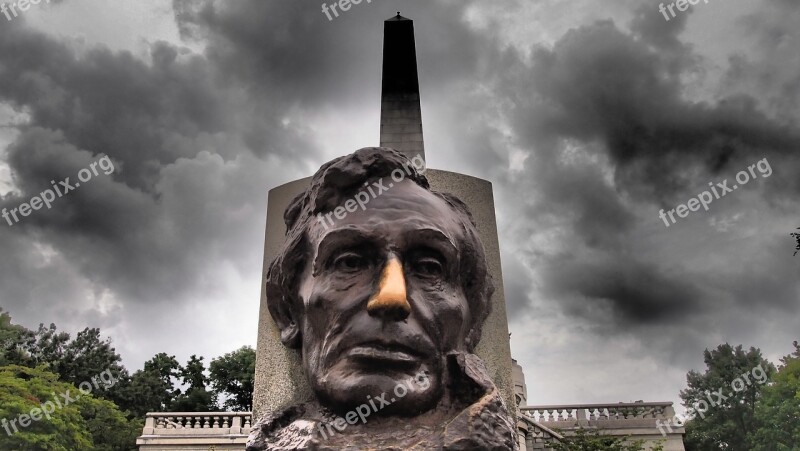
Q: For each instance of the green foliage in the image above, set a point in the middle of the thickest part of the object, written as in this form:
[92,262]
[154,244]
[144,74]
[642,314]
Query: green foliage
[109,427]
[151,389]
[233,375]
[74,361]
[779,409]
[47,347]
[87,356]
[13,338]
[87,423]
[197,398]
[727,422]
[584,439]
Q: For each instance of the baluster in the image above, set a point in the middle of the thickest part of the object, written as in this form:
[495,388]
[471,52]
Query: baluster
[225,422]
[247,421]
[207,423]
[215,422]
[580,415]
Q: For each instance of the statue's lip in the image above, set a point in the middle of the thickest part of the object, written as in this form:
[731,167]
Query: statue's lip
[378,350]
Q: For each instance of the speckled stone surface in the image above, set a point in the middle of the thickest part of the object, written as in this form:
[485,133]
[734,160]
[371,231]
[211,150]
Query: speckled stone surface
[279,376]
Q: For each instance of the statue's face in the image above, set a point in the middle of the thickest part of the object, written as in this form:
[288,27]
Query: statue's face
[382,302]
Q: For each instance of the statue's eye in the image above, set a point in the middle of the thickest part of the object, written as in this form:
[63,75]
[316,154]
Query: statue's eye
[428,266]
[350,262]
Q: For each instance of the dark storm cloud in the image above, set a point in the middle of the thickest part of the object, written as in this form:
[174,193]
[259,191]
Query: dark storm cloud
[602,84]
[610,132]
[638,292]
[170,125]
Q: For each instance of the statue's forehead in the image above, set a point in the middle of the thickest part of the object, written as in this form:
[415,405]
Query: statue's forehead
[396,213]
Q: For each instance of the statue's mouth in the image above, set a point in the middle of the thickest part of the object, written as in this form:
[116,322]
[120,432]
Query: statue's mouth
[391,353]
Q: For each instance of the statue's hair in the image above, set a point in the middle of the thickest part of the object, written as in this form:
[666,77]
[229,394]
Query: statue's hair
[333,184]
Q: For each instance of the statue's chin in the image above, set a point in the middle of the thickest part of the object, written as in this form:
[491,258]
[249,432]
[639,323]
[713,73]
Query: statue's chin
[384,395]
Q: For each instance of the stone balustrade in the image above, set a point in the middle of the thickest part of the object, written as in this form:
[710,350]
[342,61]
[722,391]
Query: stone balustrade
[195,431]
[534,436]
[584,413]
[635,420]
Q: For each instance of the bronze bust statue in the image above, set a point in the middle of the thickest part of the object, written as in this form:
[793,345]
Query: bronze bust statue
[382,286]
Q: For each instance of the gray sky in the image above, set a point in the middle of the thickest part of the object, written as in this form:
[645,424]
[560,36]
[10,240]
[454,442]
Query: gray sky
[588,117]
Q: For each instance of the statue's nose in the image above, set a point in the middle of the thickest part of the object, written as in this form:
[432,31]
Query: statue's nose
[390,302]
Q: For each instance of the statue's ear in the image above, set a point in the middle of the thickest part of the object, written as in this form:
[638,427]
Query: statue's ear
[289,327]
[281,290]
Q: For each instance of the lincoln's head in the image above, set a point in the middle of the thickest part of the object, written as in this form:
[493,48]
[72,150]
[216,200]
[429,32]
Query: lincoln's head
[379,279]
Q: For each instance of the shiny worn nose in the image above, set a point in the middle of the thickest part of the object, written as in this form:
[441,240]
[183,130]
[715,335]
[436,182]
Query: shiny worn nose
[390,302]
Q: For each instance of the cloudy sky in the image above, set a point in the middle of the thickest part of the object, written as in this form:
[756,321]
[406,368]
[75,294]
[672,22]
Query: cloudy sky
[588,117]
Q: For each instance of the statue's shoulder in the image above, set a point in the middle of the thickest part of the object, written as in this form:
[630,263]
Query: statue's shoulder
[283,429]
[486,423]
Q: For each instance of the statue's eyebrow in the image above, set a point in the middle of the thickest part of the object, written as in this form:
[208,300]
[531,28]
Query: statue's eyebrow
[433,238]
[337,239]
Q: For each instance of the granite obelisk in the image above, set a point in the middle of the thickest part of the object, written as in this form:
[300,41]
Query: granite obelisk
[401,115]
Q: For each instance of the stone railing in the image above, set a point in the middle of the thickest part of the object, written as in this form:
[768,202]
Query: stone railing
[636,420]
[585,413]
[536,437]
[195,431]
[201,423]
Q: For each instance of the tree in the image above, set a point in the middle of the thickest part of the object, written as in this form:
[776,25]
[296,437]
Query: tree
[778,411]
[725,398]
[584,439]
[797,237]
[233,376]
[87,356]
[74,361]
[151,389]
[196,398]
[39,412]
[13,339]
[109,427]
[46,347]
